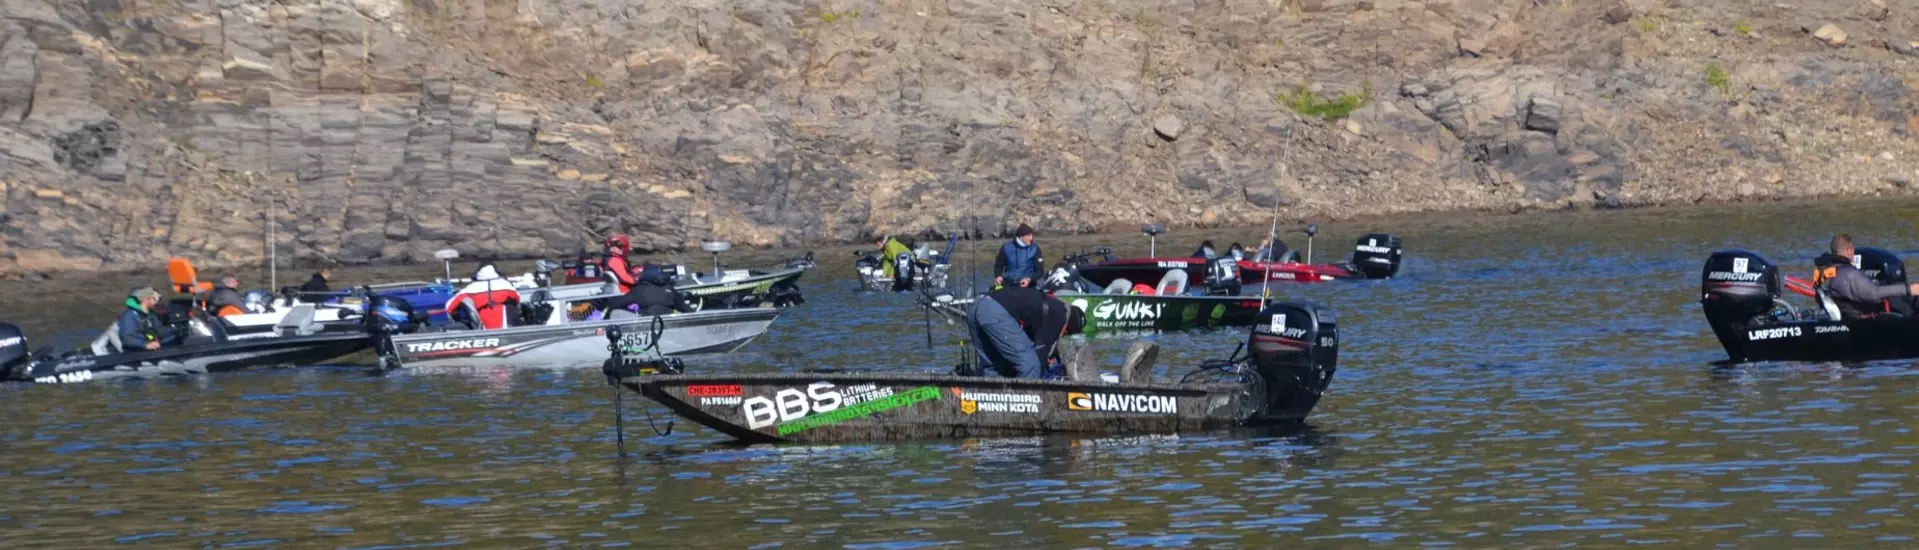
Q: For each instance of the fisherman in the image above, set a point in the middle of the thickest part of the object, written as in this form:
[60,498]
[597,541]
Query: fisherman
[1856,295]
[615,265]
[1205,251]
[1019,259]
[225,299]
[315,289]
[1015,329]
[493,298]
[650,294]
[1270,250]
[138,327]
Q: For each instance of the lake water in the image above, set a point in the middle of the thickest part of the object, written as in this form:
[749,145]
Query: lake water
[1531,381]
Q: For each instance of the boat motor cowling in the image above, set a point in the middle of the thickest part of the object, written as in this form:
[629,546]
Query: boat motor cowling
[13,350]
[390,315]
[1294,350]
[1882,265]
[1377,255]
[1738,288]
[1222,276]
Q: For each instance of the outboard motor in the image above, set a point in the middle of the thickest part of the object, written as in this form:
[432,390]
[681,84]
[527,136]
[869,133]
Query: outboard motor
[1222,276]
[13,352]
[390,315]
[1885,267]
[1295,350]
[1377,255]
[1738,288]
[904,269]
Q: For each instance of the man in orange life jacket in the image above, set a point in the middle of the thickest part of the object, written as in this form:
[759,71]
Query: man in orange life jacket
[493,297]
[615,265]
[1856,295]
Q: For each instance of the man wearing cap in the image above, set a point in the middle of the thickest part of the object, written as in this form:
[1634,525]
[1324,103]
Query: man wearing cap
[615,265]
[138,327]
[1018,261]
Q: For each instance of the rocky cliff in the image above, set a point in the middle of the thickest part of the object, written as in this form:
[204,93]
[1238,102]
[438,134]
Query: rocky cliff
[381,130]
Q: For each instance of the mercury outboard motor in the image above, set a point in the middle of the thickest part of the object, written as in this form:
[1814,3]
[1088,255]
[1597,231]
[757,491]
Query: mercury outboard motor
[13,352]
[1222,276]
[1377,255]
[1885,267]
[1295,350]
[1738,289]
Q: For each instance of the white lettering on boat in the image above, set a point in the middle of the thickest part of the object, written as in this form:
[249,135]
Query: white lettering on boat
[11,342]
[450,345]
[1771,333]
[1730,276]
[1830,328]
[1133,403]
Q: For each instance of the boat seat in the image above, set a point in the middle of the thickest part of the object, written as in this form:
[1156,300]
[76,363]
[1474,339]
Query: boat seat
[297,322]
[1078,361]
[1172,284]
[1119,286]
[472,313]
[1826,303]
[1138,367]
[109,341]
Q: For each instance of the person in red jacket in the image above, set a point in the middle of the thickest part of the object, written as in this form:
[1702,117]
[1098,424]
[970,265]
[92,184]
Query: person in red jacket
[615,265]
[494,297]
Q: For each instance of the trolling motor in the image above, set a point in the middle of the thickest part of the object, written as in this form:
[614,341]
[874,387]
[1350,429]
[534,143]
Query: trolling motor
[1311,229]
[1152,231]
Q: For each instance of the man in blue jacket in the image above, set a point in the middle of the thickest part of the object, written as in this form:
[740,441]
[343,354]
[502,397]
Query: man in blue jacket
[1018,261]
[139,328]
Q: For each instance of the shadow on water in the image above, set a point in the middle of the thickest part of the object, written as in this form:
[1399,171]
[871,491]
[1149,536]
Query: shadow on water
[1530,381]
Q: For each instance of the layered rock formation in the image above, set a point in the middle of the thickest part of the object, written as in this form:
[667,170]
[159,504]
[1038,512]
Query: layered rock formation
[381,130]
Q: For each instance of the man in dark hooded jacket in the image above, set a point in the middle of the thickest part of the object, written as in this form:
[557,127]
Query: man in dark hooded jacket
[651,293]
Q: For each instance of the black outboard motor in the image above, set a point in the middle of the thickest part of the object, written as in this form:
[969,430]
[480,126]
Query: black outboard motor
[390,315]
[1377,255]
[1738,289]
[13,352]
[1885,267]
[1222,276]
[904,270]
[1295,350]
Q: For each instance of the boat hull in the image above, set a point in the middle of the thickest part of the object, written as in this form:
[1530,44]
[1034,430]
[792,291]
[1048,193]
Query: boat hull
[582,343]
[1126,313]
[1853,340]
[824,408]
[194,359]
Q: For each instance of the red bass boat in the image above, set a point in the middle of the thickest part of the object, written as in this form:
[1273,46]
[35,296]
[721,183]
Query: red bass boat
[1375,256]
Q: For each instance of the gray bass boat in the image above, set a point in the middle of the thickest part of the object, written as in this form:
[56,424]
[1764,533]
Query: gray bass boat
[551,336]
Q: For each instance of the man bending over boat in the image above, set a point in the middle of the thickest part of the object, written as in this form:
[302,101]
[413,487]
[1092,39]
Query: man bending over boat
[493,298]
[650,294]
[1018,260]
[1015,329]
[1857,295]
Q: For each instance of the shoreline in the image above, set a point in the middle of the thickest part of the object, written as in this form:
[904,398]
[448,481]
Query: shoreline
[1420,219]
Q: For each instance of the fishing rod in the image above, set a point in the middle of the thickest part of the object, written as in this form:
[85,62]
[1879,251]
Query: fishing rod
[1272,233]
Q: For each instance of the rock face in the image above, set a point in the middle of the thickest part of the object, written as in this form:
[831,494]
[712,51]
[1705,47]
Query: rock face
[382,130]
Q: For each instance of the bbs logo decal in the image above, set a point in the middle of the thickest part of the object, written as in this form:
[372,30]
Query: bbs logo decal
[1771,333]
[454,345]
[1133,403]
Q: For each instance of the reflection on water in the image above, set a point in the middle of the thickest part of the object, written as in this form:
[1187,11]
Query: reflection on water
[1528,382]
